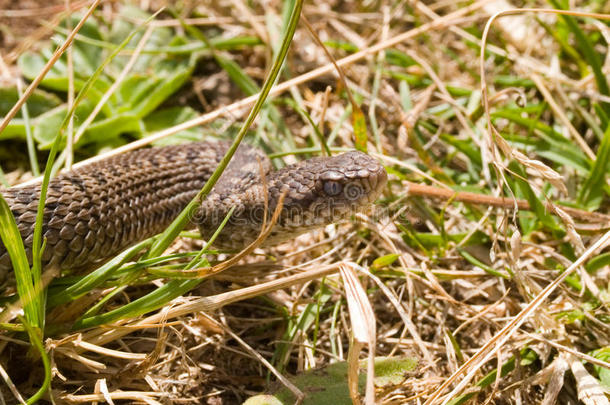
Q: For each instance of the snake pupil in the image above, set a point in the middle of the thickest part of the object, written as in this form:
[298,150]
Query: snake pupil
[332,188]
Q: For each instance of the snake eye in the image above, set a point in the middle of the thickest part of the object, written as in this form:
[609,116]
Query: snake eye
[332,188]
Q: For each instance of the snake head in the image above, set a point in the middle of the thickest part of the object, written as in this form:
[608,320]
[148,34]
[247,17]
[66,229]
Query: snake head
[324,190]
[317,192]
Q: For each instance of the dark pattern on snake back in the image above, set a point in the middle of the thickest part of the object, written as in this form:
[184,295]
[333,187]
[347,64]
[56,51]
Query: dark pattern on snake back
[94,212]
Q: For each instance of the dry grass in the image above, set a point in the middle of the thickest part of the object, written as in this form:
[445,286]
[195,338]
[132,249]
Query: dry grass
[471,286]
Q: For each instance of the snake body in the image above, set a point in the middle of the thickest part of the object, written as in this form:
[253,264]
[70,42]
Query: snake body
[94,212]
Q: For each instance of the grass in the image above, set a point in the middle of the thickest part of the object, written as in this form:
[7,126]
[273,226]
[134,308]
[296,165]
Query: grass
[494,304]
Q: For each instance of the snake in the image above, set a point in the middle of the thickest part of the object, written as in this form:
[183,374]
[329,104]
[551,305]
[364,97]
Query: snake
[94,212]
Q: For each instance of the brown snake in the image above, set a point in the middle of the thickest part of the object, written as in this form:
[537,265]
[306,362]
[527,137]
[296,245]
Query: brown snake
[94,212]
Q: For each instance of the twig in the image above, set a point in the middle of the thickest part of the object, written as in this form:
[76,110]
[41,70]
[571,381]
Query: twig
[501,202]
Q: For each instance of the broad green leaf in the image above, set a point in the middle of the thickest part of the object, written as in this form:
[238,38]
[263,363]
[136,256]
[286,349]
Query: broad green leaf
[31,64]
[391,371]
[170,117]
[322,387]
[14,130]
[39,102]
[86,57]
[106,129]
[134,90]
[328,385]
[47,125]
[123,26]
[263,400]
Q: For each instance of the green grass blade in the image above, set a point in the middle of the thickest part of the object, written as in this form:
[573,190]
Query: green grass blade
[301,326]
[527,356]
[28,134]
[198,261]
[360,133]
[308,118]
[592,191]
[473,260]
[36,340]
[96,278]
[523,189]
[26,287]
[179,223]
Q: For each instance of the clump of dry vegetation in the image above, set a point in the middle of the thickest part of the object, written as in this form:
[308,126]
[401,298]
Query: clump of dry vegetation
[485,259]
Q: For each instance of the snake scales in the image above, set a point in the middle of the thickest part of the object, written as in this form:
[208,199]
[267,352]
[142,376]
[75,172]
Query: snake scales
[94,212]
